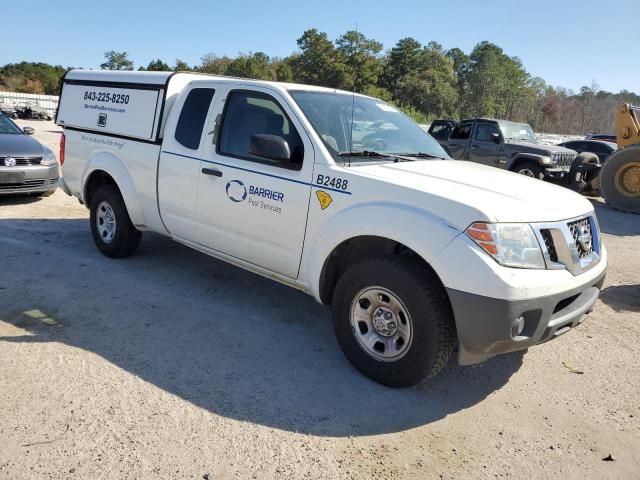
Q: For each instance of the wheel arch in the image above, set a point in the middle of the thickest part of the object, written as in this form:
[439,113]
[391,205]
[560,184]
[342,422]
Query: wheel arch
[107,169]
[346,240]
[521,158]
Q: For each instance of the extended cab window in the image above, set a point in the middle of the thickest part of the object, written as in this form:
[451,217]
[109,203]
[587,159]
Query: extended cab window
[484,131]
[461,132]
[252,117]
[192,117]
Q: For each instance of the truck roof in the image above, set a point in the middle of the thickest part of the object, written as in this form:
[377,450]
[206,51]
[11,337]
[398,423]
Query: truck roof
[162,78]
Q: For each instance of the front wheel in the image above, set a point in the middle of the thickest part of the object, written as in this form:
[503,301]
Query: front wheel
[393,320]
[530,169]
[111,228]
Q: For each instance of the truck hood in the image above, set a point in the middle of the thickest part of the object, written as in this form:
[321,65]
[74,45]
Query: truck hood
[533,147]
[16,145]
[464,192]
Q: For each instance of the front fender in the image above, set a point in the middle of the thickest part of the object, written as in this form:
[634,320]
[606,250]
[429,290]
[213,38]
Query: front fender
[113,166]
[541,160]
[420,230]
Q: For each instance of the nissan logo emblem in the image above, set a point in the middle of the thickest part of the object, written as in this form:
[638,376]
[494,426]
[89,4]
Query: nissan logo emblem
[584,237]
[10,162]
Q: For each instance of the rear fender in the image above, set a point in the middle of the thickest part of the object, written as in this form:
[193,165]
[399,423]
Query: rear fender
[114,167]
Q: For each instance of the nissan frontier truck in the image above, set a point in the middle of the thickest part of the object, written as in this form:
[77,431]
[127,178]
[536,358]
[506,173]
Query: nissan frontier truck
[341,196]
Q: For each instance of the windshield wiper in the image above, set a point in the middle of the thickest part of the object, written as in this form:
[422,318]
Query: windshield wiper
[420,155]
[364,153]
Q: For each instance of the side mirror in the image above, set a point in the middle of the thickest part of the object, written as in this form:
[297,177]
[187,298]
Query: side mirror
[28,130]
[495,137]
[272,147]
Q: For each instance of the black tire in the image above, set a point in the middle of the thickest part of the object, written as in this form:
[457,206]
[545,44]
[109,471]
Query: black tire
[583,174]
[429,312]
[126,239]
[621,197]
[530,169]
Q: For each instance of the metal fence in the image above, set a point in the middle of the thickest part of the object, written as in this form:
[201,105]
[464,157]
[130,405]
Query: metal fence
[48,102]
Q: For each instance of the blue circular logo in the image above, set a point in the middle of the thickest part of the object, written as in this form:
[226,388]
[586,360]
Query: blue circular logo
[236,191]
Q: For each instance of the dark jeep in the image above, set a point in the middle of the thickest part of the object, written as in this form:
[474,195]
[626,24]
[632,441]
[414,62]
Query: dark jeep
[509,145]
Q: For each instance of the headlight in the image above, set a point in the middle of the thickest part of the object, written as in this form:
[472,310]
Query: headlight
[510,244]
[49,159]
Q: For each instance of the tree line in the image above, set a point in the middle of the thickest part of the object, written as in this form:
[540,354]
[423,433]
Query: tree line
[425,81]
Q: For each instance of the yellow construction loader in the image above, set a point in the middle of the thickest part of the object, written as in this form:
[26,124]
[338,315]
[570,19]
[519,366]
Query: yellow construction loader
[620,174]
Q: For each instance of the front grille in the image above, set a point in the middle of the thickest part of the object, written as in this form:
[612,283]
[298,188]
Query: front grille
[28,184]
[582,235]
[548,241]
[24,161]
[564,159]
[573,245]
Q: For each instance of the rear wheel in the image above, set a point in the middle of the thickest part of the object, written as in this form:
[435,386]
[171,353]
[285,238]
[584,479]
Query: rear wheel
[620,180]
[393,320]
[111,228]
[530,169]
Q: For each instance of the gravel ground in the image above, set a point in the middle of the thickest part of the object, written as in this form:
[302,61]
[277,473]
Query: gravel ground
[171,364]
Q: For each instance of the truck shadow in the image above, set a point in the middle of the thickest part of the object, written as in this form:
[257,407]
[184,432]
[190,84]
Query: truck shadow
[18,199]
[622,297]
[615,222]
[221,338]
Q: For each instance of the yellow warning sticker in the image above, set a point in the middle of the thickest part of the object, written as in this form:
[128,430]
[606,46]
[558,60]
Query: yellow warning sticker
[324,198]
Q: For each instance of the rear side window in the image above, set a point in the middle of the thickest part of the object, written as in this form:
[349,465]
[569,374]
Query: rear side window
[192,117]
[461,132]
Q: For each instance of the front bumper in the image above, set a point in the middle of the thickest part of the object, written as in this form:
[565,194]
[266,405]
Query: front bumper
[486,325]
[28,179]
[556,173]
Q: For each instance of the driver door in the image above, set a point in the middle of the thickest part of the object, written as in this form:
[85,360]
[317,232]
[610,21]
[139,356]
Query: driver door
[251,207]
[485,146]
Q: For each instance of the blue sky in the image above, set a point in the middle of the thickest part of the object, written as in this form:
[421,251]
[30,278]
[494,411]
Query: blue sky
[569,43]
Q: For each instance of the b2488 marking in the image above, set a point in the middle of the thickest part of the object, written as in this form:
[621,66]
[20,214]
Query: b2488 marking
[337,183]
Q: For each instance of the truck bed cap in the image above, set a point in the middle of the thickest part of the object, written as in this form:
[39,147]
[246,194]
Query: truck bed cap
[149,78]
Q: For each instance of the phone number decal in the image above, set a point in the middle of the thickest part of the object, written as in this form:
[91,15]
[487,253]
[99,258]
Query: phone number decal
[106,97]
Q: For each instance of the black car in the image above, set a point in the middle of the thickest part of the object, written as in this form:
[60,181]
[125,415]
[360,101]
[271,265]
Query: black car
[604,137]
[26,166]
[600,148]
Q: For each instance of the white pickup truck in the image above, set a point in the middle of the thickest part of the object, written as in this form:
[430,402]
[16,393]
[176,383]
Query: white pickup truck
[338,195]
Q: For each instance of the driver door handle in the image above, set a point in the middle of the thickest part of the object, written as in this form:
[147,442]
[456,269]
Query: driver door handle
[211,171]
[474,146]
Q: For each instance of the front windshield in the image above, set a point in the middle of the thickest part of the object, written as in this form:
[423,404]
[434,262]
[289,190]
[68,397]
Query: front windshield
[517,131]
[7,127]
[377,127]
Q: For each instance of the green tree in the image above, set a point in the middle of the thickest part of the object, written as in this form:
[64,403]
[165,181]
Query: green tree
[359,66]
[317,62]
[116,61]
[30,77]
[254,65]
[181,66]
[214,65]
[461,69]
[157,66]
[403,59]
